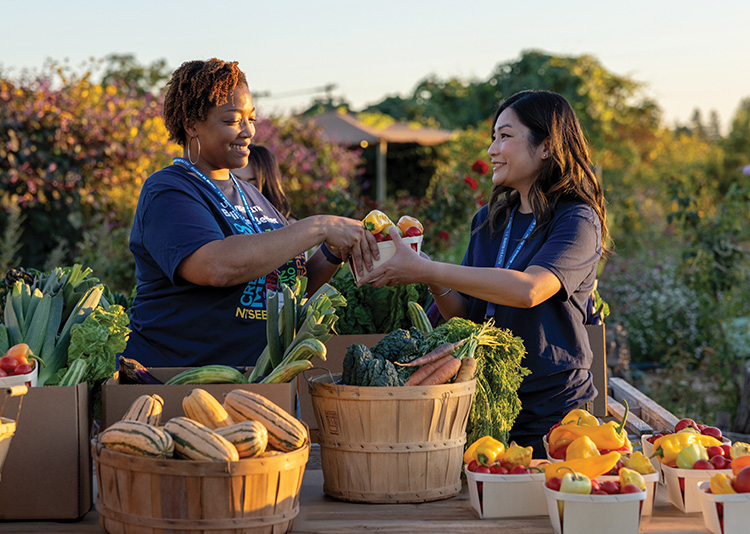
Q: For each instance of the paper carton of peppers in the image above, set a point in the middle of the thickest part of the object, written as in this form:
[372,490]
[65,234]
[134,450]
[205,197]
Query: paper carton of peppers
[725,498]
[504,481]
[380,225]
[578,423]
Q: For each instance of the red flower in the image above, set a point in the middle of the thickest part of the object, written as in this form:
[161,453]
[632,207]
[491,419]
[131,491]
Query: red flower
[480,167]
[471,182]
[442,234]
[480,201]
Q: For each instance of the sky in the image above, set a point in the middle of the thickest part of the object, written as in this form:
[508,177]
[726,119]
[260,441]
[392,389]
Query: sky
[688,54]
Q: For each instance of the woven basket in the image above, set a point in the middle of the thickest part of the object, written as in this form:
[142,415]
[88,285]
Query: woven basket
[391,444]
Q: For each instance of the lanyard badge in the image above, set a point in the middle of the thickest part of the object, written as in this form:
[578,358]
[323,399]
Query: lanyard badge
[503,249]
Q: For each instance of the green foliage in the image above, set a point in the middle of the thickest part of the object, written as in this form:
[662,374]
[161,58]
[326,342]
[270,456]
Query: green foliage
[372,310]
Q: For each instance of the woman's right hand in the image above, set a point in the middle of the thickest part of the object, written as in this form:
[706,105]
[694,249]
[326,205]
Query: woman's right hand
[349,237]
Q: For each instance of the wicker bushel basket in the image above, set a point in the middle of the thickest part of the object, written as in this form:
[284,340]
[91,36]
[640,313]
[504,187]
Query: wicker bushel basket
[140,495]
[391,444]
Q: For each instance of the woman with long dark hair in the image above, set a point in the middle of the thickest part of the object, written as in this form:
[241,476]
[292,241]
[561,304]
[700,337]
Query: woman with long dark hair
[532,258]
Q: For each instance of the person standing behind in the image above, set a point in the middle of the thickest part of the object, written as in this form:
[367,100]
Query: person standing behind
[262,170]
[532,257]
[208,247]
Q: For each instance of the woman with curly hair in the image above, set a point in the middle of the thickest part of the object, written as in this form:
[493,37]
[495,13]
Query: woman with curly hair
[532,258]
[208,246]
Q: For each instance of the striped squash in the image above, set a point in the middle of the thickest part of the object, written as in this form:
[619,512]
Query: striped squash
[199,405]
[195,441]
[249,437]
[146,409]
[138,438]
[285,433]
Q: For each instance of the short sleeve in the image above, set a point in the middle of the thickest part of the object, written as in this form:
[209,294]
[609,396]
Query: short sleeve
[572,248]
[176,224]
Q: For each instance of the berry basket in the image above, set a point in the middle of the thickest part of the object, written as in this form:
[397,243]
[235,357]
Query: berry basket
[682,486]
[507,495]
[585,514]
[724,514]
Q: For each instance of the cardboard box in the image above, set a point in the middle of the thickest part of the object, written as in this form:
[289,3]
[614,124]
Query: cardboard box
[724,514]
[336,350]
[586,514]
[48,471]
[117,398]
[507,495]
[687,499]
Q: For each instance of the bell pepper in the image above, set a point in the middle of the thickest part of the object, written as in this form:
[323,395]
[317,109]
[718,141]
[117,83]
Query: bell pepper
[739,463]
[583,447]
[721,484]
[574,482]
[485,451]
[609,435]
[630,476]
[516,455]
[690,454]
[592,467]
[739,448]
[638,462]
[666,448]
[376,221]
[580,417]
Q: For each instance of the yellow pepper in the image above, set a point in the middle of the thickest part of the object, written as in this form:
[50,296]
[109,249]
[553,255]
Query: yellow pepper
[739,448]
[609,435]
[721,484]
[516,455]
[629,476]
[579,417]
[638,462]
[592,467]
[376,220]
[583,447]
[666,448]
[485,451]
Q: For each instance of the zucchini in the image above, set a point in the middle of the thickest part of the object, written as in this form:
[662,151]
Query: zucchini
[208,374]
[418,317]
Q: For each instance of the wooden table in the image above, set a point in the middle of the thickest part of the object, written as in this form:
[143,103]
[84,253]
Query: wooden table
[320,514]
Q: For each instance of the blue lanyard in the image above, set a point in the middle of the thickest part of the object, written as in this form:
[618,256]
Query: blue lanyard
[503,249]
[248,214]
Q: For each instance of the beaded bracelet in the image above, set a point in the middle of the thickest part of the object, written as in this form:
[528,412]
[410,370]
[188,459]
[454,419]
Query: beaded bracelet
[439,294]
[330,257]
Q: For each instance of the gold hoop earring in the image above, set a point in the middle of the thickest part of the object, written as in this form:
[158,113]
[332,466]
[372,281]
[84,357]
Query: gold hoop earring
[199,150]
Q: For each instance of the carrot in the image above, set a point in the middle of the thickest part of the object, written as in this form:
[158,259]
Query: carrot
[442,374]
[446,349]
[468,369]
[423,372]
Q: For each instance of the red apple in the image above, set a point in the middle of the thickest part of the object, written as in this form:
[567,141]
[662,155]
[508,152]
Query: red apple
[599,492]
[741,482]
[727,451]
[630,488]
[712,431]
[554,483]
[520,470]
[714,450]
[23,369]
[719,462]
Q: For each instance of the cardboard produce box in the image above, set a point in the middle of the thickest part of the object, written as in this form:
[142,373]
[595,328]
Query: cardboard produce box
[336,350]
[117,397]
[48,471]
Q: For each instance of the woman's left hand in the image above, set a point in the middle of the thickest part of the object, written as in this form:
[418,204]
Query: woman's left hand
[403,268]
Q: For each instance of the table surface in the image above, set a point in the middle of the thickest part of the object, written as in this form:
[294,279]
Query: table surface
[325,515]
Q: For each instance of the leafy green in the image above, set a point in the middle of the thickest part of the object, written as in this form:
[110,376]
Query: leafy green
[499,375]
[375,366]
[98,339]
[374,310]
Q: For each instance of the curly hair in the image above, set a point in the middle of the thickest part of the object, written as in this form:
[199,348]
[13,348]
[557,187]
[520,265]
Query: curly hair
[196,87]
[567,174]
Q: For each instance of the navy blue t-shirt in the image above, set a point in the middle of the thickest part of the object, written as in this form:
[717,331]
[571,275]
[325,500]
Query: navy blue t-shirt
[558,352]
[175,322]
